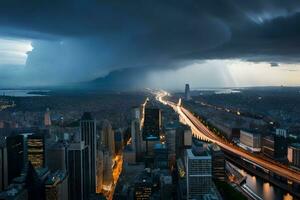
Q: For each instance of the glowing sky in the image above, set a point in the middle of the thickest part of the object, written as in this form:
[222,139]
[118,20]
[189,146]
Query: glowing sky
[14,51]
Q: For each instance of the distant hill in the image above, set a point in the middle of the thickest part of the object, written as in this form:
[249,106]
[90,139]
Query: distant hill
[124,79]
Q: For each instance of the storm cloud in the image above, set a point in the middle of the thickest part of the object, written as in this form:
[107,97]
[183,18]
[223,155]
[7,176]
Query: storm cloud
[77,40]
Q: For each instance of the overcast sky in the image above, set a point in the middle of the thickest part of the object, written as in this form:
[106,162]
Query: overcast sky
[207,43]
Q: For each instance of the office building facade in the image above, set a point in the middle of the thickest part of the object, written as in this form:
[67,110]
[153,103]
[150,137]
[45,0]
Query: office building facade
[36,150]
[78,169]
[152,124]
[88,136]
[250,141]
[198,173]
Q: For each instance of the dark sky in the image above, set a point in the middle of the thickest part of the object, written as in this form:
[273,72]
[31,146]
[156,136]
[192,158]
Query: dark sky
[80,40]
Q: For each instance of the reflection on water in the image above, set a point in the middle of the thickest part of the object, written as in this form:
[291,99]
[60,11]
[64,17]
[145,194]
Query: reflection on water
[22,93]
[264,189]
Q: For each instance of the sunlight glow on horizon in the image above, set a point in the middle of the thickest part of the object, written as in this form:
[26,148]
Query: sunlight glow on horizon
[14,51]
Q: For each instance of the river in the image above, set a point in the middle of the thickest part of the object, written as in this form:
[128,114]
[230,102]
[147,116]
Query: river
[264,189]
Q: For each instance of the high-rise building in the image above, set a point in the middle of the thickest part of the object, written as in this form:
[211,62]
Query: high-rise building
[218,163]
[11,159]
[47,118]
[36,150]
[56,186]
[108,138]
[3,164]
[170,134]
[99,170]
[187,92]
[199,172]
[136,133]
[118,140]
[78,169]
[107,171]
[294,155]
[152,124]
[161,156]
[88,136]
[56,156]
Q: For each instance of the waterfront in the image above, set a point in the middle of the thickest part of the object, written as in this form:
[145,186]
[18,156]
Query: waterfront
[23,93]
[264,189]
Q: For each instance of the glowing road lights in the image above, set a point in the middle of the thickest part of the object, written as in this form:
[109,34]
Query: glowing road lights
[199,130]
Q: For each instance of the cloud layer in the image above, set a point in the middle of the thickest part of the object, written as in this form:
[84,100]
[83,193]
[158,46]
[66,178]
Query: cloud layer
[81,40]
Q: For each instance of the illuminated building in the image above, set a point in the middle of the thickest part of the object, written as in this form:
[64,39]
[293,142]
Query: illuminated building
[47,118]
[294,155]
[108,138]
[250,141]
[152,124]
[187,92]
[36,150]
[88,135]
[198,172]
[56,186]
[107,171]
[78,169]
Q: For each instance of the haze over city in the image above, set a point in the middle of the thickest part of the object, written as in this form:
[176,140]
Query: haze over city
[149,100]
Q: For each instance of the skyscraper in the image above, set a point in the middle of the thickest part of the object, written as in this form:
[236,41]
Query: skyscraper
[199,172]
[152,124]
[3,164]
[107,172]
[187,92]
[108,138]
[218,163]
[56,157]
[88,136]
[78,168]
[136,133]
[36,150]
[15,156]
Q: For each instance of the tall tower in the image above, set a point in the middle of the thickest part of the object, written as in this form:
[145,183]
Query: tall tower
[78,169]
[108,138]
[187,92]
[47,118]
[88,136]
